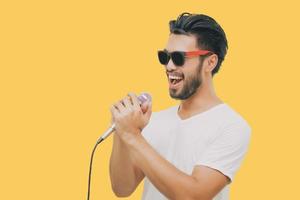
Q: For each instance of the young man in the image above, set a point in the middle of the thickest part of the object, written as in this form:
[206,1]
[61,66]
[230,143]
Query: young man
[189,151]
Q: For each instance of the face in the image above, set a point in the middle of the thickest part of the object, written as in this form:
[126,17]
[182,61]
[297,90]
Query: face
[184,80]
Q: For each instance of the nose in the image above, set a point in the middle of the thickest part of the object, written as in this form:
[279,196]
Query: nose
[170,66]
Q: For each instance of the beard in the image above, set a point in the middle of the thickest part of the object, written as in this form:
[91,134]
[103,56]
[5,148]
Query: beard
[190,85]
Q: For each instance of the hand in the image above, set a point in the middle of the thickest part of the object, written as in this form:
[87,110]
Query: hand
[129,117]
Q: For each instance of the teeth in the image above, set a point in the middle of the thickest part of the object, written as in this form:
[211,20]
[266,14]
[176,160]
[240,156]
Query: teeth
[175,77]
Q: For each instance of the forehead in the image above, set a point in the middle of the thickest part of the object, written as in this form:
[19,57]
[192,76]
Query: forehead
[181,42]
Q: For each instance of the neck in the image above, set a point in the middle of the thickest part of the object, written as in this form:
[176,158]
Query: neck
[203,99]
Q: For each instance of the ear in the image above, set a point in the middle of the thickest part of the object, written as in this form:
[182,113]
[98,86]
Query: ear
[210,63]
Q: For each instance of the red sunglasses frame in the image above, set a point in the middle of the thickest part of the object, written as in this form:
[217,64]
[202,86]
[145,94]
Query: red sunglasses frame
[196,53]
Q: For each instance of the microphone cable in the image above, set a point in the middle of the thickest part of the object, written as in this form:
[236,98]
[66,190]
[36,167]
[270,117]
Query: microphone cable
[91,164]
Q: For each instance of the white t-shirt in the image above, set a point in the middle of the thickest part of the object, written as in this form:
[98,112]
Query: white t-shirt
[217,138]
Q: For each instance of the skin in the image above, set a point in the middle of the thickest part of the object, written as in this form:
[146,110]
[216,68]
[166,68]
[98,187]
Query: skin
[133,158]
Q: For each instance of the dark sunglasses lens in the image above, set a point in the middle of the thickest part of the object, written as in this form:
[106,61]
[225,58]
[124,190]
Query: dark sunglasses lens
[163,57]
[178,58]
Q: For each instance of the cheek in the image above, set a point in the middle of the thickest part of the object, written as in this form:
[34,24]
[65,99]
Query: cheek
[192,62]
[192,67]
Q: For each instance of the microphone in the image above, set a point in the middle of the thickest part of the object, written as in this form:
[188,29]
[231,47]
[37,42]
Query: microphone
[142,98]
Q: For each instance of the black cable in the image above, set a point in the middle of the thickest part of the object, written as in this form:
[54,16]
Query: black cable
[91,163]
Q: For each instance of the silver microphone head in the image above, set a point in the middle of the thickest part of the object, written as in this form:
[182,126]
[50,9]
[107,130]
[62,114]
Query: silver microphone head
[144,97]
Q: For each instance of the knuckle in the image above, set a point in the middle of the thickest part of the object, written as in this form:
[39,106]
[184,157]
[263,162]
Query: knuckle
[131,94]
[126,99]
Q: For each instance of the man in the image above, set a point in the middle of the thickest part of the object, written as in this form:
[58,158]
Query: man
[189,151]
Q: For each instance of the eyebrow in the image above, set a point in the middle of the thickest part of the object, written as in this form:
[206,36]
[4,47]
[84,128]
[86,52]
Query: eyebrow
[169,51]
[172,51]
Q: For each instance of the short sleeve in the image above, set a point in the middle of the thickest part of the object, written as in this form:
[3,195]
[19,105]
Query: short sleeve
[227,151]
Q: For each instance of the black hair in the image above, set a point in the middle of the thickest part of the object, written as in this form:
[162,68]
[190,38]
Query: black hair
[210,35]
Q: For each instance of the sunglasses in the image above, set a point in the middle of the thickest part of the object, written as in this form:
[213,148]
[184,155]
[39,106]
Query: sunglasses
[178,57]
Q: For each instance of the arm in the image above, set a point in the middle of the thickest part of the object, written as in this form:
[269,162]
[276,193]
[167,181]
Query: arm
[124,175]
[203,184]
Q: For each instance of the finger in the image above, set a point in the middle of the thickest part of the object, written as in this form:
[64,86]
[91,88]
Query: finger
[129,98]
[119,105]
[135,101]
[127,103]
[149,110]
[114,111]
[144,106]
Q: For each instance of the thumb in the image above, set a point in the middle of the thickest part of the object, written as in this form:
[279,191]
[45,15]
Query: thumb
[149,110]
[144,107]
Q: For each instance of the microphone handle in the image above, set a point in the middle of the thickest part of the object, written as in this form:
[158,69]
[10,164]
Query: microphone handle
[107,133]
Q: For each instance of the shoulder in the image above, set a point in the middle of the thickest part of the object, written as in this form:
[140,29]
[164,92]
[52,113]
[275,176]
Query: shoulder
[234,125]
[229,116]
[229,124]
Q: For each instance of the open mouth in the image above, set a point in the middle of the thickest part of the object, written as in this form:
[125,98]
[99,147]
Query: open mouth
[175,80]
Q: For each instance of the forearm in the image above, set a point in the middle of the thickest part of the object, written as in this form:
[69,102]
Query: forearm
[170,181]
[122,173]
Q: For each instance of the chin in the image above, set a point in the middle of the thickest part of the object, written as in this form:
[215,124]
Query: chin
[176,96]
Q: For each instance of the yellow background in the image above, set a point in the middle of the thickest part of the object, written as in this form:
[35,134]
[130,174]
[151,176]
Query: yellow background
[63,63]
